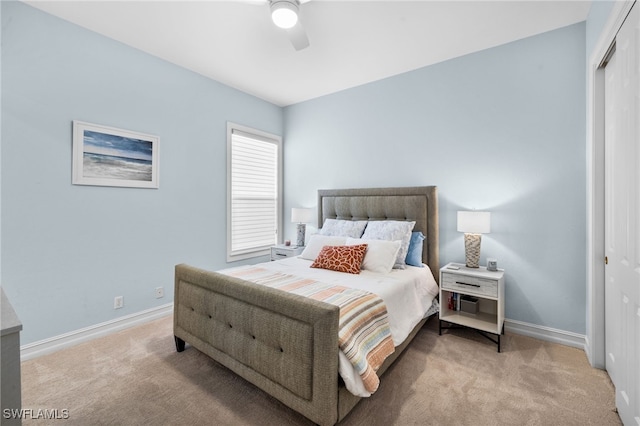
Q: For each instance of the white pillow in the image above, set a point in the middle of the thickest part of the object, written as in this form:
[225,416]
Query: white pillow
[392,230]
[317,241]
[380,255]
[343,228]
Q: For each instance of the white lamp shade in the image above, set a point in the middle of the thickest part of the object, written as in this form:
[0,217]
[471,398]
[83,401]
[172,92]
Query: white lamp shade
[284,13]
[299,215]
[473,222]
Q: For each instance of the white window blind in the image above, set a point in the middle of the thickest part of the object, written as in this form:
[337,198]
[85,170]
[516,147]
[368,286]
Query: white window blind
[254,193]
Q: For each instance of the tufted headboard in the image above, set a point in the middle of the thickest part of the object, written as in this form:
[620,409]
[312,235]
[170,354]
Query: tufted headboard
[419,203]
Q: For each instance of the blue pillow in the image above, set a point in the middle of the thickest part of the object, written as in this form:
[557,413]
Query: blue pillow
[414,255]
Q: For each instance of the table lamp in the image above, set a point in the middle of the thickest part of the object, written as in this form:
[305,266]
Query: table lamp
[301,217]
[473,224]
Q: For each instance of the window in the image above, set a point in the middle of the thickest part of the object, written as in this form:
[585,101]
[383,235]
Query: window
[254,191]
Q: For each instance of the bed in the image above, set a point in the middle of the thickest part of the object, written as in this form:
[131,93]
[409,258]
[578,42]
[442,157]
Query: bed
[284,343]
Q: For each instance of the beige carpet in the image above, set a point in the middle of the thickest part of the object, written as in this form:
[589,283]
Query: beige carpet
[136,377]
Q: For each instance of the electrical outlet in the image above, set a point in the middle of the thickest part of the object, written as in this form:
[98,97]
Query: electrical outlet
[159,292]
[118,302]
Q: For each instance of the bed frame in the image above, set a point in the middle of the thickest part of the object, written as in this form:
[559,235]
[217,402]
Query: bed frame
[283,343]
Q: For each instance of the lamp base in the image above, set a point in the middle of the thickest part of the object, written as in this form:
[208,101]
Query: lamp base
[472,250]
[300,231]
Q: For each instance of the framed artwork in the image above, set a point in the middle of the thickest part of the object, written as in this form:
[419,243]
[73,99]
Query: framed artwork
[106,156]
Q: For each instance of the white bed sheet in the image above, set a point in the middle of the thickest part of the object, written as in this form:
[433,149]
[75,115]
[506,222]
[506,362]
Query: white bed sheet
[408,294]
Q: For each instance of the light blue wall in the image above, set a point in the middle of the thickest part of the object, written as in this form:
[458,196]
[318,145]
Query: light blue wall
[501,130]
[68,250]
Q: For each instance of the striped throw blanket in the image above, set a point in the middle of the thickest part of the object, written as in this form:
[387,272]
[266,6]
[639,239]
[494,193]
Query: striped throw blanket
[364,335]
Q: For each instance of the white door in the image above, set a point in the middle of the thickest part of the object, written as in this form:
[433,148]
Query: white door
[622,219]
[611,292]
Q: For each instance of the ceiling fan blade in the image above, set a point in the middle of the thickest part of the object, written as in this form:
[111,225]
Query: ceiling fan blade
[298,37]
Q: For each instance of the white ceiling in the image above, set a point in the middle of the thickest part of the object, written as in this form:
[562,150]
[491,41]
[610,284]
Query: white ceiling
[351,42]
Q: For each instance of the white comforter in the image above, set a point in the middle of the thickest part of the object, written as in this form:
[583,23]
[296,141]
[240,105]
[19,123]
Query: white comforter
[408,294]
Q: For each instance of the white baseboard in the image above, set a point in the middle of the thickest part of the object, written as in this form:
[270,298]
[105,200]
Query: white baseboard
[55,343]
[548,334]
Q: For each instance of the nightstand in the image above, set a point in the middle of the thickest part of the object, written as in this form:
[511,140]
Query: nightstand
[281,251]
[474,298]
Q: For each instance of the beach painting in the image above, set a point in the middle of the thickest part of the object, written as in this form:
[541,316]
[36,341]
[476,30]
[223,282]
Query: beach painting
[106,156]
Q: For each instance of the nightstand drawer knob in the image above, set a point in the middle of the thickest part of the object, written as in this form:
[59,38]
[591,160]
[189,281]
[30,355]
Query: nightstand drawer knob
[470,285]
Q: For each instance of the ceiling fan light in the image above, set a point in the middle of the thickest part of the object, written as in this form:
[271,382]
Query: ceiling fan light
[284,14]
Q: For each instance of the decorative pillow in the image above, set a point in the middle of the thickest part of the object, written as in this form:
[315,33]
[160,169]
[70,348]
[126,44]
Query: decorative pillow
[391,230]
[316,242]
[414,254]
[343,228]
[341,258]
[380,256]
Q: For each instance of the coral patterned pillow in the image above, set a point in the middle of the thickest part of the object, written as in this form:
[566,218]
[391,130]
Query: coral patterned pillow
[341,258]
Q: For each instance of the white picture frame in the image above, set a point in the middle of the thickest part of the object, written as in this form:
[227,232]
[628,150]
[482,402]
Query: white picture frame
[107,156]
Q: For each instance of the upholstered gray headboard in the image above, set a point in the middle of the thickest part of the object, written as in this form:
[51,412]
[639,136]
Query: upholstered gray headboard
[419,203]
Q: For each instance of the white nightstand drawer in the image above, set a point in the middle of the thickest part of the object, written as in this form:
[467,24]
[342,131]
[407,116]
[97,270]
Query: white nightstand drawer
[281,251]
[468,284]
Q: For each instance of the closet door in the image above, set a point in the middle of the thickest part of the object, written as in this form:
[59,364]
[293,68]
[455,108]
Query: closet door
[622,218]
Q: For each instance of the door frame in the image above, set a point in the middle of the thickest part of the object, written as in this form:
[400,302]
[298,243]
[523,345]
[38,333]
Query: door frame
[595,321]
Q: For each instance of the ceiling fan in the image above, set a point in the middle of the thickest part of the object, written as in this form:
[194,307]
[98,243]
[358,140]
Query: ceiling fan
[285,14]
